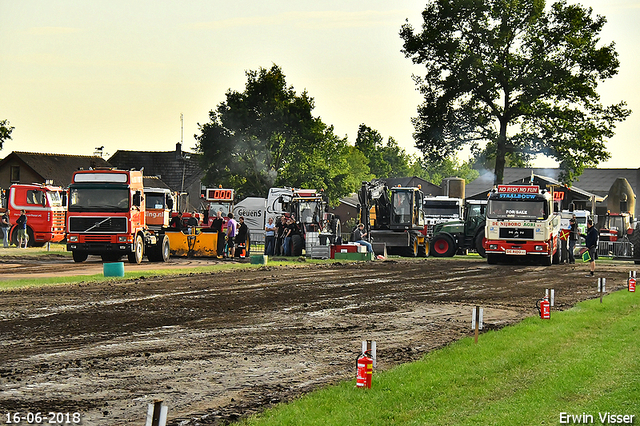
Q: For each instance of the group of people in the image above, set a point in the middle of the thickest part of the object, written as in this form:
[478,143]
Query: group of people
[21,226]
[278,239]
[591,243]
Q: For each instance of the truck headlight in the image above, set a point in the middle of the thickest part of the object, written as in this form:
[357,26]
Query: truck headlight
[123,239]
[73,238]
[493,247]
[539,248]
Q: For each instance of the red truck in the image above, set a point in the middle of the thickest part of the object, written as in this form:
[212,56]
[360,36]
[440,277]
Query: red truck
[106,217]
[45,207]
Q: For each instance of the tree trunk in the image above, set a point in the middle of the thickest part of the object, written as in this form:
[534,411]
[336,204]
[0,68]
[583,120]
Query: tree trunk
[501,153]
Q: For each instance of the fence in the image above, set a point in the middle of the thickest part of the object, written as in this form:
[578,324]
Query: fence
[622,248]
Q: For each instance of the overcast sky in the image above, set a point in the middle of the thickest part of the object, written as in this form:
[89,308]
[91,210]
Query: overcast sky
[76,75]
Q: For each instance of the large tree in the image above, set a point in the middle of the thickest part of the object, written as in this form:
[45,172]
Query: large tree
[514,78]
[5,131]
[267,136]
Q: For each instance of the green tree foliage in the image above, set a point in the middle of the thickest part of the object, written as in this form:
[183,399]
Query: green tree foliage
[514,77]
[267,136]
[384,161]
[5,131]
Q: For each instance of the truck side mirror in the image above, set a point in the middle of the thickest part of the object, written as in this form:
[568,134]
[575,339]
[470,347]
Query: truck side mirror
[169,202]
[44,199]
[137,199]
[64,199]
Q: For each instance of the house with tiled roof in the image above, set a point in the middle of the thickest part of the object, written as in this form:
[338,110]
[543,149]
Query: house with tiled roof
[180,170]
[36,167]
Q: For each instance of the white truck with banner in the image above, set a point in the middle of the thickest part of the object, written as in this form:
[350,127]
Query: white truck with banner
[521,221]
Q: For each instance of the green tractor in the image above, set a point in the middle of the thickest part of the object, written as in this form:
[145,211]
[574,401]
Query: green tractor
[459,236]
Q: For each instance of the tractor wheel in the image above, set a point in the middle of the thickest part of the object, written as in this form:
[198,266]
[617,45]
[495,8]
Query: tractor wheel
[79,256]
[479,244]
[443,246]
[336,229]
[297,243]
[138,251]
[635,241]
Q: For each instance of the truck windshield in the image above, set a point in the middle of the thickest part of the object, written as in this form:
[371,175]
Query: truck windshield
[527,210]
[55,199]
[442,208]
[215,207]
[99,199]
[306,211]
[154,200]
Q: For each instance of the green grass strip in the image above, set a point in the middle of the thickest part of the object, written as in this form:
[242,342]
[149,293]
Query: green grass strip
[214,267]
[582,361]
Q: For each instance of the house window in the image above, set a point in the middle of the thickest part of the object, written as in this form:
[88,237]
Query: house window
[15,173]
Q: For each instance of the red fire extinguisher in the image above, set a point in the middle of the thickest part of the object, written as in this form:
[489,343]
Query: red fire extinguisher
[544,308]
[364,368]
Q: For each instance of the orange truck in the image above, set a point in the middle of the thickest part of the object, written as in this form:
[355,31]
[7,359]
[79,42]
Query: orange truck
[45,208]
[107,217]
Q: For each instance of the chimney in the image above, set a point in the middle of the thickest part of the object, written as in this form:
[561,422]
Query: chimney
[178,151]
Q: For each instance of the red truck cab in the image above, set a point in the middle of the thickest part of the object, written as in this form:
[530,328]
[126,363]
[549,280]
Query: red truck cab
[45,208]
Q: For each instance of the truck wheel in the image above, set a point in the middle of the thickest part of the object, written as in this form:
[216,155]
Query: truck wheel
[138,251]
[443,246]
[297,243]
[79,256]
[478,244]
[492,259]
[556,256]
[423,249]
[161,251]
[635,241]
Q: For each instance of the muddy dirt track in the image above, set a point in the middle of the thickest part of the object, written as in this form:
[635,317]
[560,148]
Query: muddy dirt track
[222,345]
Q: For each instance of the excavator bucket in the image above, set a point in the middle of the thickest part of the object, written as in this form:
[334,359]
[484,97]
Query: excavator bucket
[193,243]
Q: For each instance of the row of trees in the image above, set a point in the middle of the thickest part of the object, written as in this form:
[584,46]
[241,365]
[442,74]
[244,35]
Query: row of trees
[268,136]
[510,79]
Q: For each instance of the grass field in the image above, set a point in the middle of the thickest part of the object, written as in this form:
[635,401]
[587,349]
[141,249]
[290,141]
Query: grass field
[582,362]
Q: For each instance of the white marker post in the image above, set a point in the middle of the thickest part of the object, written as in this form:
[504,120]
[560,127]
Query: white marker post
[370,345]
[601,287]
[551,295]
[476,321]
[157,414]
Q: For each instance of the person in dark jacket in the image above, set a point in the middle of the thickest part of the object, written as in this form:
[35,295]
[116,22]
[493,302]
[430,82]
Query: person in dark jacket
[241,237]
[21,226]
[573,237]
[591,241]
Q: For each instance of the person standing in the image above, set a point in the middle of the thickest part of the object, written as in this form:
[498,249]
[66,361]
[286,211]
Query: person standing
[359,238]
[241,237]
[281,227]
[6,228]
[289,231]
[269,237]
[573,237]
[232,231]
[21,225]
[216,225]
[591,241]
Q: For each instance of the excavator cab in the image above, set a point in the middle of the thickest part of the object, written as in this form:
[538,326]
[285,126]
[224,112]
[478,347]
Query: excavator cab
[406,208]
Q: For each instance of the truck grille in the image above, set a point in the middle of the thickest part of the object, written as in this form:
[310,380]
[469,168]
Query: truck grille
[518,233]
[98,224]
